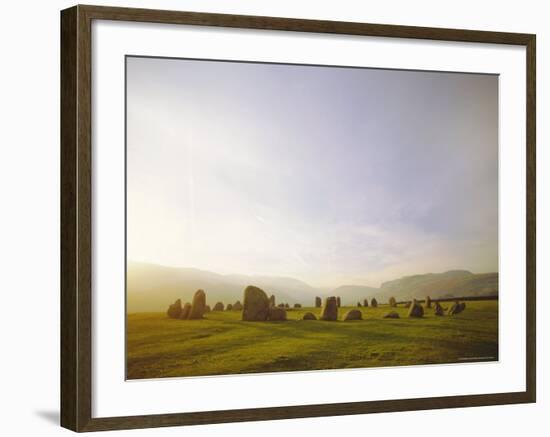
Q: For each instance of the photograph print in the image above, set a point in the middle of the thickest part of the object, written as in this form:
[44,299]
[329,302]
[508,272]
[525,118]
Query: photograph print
[285,217]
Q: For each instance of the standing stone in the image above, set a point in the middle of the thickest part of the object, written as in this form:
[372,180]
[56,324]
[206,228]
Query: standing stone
[392,302]
[456,308]
[359,305]
[197,305]
[318,302]
[184,315]
[338,302]
[353,315]
[428,302]
[373,303]
[238,306]
[415,309]
[218,307]
[272,300]
[256,304]
[329,311]
[365,303]
[174,310]
[438,310]
[297,305]
[287,305]
[229,307]
[309,316]
[391,315]
[277,314]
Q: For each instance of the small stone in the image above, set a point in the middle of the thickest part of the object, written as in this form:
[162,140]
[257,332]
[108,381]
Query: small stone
[428,302]
[415,310]
[456,308]
[277,314]
[353,315]
[174,310]
[185,311]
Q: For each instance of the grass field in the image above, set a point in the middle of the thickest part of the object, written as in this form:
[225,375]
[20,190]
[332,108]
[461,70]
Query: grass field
[223,344]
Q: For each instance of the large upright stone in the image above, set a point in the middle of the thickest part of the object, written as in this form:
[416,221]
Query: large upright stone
[373,303]
[318,302]
[415,310]
[309,316]
[198,305]
[237,306]
[392,302]
[218,307]
[174,310]
[338,302]
[272,300]
[329,311]
[365,303]
[256,304]
[297,305]
[229,307]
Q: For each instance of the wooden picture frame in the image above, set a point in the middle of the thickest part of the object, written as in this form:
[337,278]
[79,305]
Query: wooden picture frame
[76,218]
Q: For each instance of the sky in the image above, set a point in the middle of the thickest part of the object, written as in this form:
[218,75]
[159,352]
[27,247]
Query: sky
[330,175]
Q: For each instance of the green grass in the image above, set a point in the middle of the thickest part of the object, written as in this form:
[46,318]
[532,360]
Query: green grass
[223,344]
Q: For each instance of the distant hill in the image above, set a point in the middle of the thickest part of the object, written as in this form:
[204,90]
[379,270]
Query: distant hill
[351,294]
[152,287]
[459,283]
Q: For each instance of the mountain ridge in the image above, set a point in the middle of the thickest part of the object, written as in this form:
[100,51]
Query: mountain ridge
[151,287]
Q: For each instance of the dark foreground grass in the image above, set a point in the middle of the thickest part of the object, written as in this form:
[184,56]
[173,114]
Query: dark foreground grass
[223,344]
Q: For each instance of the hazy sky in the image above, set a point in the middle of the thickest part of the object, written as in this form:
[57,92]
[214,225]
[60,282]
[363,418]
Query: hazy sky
[329,175]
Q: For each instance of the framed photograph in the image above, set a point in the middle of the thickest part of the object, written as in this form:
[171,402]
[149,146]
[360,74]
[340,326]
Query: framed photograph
[268,218]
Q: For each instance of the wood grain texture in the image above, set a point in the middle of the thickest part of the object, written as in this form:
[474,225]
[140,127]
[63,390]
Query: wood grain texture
[76,222]
[68,221]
